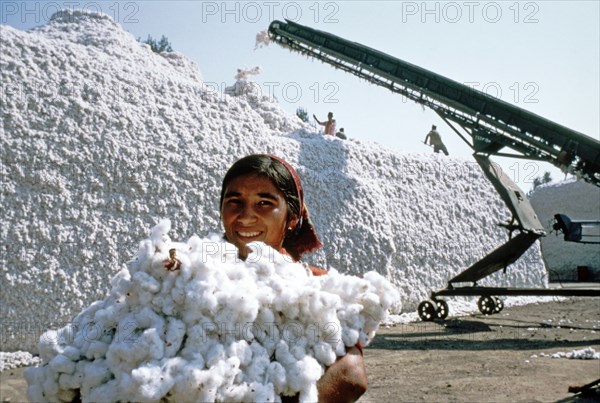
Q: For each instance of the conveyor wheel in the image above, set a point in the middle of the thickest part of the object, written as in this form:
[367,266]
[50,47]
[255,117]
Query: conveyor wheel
[499,305]
[442,309]
[427,311]
[486,305]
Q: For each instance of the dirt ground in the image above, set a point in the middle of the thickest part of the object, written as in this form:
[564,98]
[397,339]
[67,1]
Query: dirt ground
[500,358]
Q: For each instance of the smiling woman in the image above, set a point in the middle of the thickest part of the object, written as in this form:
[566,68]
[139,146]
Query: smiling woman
[262,200]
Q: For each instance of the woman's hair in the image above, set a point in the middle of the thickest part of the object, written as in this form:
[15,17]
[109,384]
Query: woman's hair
[301,239]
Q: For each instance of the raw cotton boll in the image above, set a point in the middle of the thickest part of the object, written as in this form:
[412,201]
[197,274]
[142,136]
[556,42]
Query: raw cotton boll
[201,338]
[390,297]
[265,315]
[241,392]
[72,353]
[107,392]
[164,304]
[277,376]
[70,381]
[324,353]
[184,386]
[197,384]
[208,383]
[35,392]
[350,336]
[303,376]
[178,291]
[150,320]
[126,354]
[50,388]
[174,336]
[264,296]
[262,39]
[246,303]
[340,347]
[150,382]
[195,245]
[168,282]
[347,287]
[145,286]
[266,257]
[48,345]
[231,370]
[95,373]
[109,316]
[259,364]
[87,314]
[283,355]
[121,282]
[287,302]
[309,372]
[263,393]
[35,375]
[298,344]
[97,349]
[215,355]
[190,383]
[143,257]
[350,316]
[242,350]
[198,301]
[158,235]
[325,304]
[174,367]
[267,334]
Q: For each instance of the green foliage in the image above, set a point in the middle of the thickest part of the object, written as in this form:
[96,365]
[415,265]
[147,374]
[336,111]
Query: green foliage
[540,180]
[162,45]
[302,114]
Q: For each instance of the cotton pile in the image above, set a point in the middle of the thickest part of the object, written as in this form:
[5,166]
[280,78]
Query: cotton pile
[215,328]
[584,354]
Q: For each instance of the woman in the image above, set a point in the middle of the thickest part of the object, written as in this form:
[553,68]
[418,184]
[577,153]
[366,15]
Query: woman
[262,200]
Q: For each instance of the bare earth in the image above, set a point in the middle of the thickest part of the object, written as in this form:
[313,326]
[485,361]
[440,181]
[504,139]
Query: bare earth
[475,358]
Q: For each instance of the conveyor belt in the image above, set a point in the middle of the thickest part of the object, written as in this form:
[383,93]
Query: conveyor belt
[491,123]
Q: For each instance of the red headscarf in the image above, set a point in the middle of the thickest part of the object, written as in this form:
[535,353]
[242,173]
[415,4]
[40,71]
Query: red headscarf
[305,238]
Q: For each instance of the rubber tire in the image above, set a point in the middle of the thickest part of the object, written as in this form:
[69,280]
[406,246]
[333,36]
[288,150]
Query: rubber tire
[486,305]
[427,311]
[499,305]
[442,309]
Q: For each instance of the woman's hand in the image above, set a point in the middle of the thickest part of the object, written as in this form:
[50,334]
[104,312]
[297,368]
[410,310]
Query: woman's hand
[345,380]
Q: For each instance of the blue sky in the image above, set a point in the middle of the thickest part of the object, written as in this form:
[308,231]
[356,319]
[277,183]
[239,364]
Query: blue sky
[540,55]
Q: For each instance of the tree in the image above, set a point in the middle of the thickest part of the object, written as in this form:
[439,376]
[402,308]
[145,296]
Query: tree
[302,114]
[540,180]
[162,45]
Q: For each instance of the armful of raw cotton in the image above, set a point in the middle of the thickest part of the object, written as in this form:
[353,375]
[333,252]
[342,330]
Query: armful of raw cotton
[214,329]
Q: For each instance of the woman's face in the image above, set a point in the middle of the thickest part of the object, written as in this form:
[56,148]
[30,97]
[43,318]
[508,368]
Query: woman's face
[254,209]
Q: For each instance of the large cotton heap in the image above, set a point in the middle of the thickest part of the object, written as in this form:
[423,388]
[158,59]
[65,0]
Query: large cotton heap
[214,328]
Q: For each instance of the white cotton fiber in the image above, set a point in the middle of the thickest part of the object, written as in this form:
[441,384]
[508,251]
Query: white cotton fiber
[217,328]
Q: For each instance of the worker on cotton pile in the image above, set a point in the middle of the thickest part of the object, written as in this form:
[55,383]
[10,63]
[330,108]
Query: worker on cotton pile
[234,319]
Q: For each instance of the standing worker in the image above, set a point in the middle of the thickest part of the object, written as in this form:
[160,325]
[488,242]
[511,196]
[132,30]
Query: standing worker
[435,140]
[329,125]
